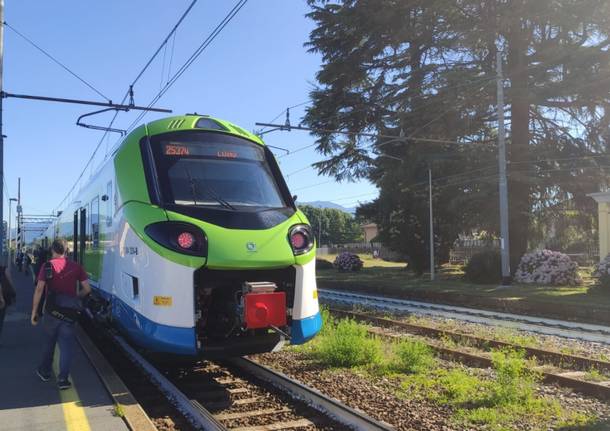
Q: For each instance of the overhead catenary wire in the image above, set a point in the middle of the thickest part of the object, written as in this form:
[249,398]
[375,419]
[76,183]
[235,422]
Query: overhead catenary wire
[56,61]
[127,93]
[204,45]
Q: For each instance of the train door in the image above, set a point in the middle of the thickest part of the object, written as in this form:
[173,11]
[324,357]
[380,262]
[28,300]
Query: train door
[75,237]
[82,240]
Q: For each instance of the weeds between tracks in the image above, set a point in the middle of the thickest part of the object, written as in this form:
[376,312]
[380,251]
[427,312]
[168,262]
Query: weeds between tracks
[505,398]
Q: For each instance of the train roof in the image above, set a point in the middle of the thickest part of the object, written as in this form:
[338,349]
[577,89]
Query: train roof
[204,122]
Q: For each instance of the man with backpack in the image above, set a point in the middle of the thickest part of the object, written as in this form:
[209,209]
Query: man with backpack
[60,276]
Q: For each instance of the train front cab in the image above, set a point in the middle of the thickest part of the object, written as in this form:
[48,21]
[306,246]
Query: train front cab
[249,265]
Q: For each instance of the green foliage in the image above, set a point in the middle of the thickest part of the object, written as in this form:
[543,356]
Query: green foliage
[425,68]
[514,382]
[602,273]
[456,387]
[347,344]
[337,227]
[484,267]
[413,356]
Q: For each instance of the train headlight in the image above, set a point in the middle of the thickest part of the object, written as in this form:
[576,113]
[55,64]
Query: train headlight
[179,236]
[300,238]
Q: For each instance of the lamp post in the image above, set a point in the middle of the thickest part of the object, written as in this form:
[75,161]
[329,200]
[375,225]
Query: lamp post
[10,240]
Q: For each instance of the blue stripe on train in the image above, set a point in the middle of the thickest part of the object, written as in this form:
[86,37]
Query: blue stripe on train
[182,341]
[151,335]
[304,330]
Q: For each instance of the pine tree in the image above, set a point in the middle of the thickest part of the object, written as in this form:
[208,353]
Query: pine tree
[426,68]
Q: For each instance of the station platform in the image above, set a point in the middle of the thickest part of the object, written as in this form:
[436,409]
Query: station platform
[27,403]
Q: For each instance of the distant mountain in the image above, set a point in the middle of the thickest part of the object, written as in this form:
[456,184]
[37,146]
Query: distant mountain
[328,204]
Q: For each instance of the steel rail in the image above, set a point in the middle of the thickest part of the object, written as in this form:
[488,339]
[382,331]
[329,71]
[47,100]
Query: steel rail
[561,328]
[548,356]
[193,411]
[328,406]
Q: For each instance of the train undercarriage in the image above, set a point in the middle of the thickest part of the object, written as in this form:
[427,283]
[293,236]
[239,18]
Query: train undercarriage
[241,312]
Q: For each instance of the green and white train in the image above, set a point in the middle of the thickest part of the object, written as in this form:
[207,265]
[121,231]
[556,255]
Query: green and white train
[193,243]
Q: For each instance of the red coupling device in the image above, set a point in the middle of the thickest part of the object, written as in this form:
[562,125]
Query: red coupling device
[263,310]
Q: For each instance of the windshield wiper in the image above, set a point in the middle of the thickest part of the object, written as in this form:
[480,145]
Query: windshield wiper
[192,184]
[210,191]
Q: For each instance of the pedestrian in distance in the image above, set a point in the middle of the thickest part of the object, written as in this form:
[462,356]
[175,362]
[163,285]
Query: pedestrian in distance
[27,261]
[7,295]
[60,276]
[19,260]
[40,257]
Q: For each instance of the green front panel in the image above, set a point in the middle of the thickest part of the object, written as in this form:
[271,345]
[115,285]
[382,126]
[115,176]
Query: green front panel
[227,248]
[188,122]
[141,215]
[130,169]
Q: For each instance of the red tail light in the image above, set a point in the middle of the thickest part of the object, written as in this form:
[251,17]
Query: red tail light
[186,240]
[180,237]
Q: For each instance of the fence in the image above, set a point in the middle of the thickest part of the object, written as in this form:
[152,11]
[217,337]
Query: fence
[359,248]
[464,249]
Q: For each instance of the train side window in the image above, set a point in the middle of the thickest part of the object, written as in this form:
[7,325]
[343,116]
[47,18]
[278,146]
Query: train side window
[88,226]
[95,222]
[109,201]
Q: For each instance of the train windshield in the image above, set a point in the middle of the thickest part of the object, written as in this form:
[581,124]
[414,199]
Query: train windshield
[214,170]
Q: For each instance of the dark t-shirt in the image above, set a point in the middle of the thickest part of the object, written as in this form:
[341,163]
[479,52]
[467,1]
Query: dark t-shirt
[65,275]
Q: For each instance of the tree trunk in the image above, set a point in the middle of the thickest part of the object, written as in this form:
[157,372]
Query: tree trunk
[518,144]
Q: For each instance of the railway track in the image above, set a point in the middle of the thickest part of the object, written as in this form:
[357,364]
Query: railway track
[240,395]
[539,325]
[570,370]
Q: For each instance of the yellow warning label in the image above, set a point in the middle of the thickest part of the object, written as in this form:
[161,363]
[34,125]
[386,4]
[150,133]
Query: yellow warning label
[165,301]
[315,294]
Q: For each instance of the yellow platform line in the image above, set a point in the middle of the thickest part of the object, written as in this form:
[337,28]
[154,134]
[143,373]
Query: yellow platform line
[74,413]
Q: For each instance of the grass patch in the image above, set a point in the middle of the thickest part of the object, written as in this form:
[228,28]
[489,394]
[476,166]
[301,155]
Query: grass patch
[393,280]
[594,375]
[506,400]
[413,356]
[347,343]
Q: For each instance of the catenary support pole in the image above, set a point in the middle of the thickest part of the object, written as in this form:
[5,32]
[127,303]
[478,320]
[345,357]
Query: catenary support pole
[10,235]
[431,226]
[504,234]
[19,230]
[2,180]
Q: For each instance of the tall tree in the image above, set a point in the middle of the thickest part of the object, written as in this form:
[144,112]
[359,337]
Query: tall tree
[426,68]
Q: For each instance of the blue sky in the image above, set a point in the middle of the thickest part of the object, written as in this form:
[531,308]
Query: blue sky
[252,71]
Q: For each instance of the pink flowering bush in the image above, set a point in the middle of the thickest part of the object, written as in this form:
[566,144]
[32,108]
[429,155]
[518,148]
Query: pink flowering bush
[347,262]
[547,267]
[602,273]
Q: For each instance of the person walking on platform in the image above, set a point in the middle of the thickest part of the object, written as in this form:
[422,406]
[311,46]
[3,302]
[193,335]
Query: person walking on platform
[60,276]
[27,260]
[40,257]
[19,260]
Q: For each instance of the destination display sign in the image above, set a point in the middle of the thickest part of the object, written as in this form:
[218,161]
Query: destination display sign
[213,150]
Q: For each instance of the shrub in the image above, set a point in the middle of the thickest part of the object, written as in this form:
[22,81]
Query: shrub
[413,356]
[348,262]
[323,264]
[602,273]
[348,345]
[484,267]
[547,267]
